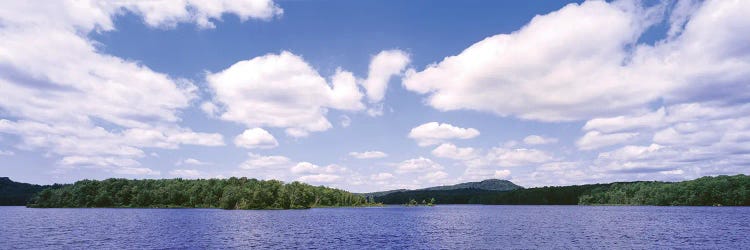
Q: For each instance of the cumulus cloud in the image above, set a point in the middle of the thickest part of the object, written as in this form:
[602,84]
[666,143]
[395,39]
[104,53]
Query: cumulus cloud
[61,94]
[256,161]
[309,168]
[315,174]
[381,176]
[96,146]
[502,174]
[636,158]
[368,155]
[694,139]
[539,140]
[346,121]
[596,66]
[285,169]
[319,178]
[135,171]
[595,139]
[417,165]
[506,157]
[98,161]
[447,150]
[192,161]
[432,133]
[383,66]
[255,138]
[434,177]
[186,173]
[282,90]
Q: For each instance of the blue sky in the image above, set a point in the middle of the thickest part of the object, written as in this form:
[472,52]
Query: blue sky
[374,95]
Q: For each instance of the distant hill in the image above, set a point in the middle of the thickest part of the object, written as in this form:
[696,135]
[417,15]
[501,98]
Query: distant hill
[490,184]
[17,193]
[705,191]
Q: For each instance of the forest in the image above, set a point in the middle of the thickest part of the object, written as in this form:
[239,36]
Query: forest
[705,191]
[232,193]
[244,193]
[18,194]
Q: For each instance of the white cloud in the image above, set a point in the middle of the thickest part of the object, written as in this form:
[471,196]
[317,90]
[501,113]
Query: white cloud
[98,161]
[596,66]
[626,123]
[383,66]
[255,138]
[309,168]
[417,165]
[6,153]
[284,169]
[256,161]
[695,138]
[539,140]
[595,139]
[368,155]
[168,13]
[447,150]
[673,172]
[346,121]
[561,173]
[61,94]
[636,159]
[135,171]
[192,161]
[375,110]
[186,173]
[282,90]
[170,138]
[99,145]
[210,109]
[434,177]
[502,174]
[319,178]
[506,157]
[432,133]
[381,176]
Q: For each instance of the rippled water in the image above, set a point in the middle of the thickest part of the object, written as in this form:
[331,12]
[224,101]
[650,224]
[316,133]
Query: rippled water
[448,226]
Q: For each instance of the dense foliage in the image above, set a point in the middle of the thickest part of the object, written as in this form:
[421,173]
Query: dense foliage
[489,184]
[455,196]
[232,193]
[567,195]
[706,191]
[16,193]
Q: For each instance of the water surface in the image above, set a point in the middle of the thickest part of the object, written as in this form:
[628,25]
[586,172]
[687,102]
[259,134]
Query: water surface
[440,227]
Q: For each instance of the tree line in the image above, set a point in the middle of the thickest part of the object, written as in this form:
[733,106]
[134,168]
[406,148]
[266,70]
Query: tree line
[232,193]
[18,194]
[705,191]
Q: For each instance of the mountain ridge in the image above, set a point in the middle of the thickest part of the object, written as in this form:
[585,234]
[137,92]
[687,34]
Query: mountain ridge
[14,193]
[484,185]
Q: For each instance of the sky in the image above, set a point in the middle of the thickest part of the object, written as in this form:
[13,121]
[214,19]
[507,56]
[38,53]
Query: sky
[375,95]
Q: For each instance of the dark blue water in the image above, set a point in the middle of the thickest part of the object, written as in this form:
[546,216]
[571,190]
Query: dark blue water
[440,227]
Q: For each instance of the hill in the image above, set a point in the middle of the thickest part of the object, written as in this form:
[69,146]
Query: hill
[17,193]
[489,184]
[485,185]
[705,191]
